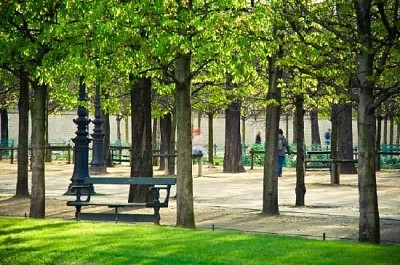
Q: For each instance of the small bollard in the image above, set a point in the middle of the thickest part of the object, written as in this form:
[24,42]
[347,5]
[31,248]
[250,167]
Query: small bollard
[213,227]
[323,236]
[200,168]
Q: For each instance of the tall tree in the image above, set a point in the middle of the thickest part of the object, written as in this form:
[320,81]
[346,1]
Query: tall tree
[141,155]
[345,144]
[315,137]
[22,189]
[233,154]
[270,184]
[367,33]
[38,145]
[184,199]
[27,27]
[300,169]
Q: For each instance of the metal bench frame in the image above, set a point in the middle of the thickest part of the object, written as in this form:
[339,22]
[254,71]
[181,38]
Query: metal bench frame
[85,189]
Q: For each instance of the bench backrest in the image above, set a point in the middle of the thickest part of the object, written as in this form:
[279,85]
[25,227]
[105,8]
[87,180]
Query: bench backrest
[132,181]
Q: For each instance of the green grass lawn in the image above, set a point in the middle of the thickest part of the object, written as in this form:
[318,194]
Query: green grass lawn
[28,241]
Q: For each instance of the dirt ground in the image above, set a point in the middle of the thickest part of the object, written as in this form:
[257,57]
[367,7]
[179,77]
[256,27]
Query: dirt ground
[234,202]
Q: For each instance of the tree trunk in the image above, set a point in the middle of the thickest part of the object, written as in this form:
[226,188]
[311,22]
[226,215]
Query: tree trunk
[345,144]
[315,136]
[385,131]
[155,137]
[22,189]
[171,146]
[335,177]
[4,131]
[171,161]
[37,207]
[287,127]
[243,129]
[210,139]
[166,142]
[199,119]
[294,129]
[300,166]
[233,150]
[126,119]
[106,139]
[391,130]
[184,198]
[141,150]
[369,227]
[378,138]
[119,119]
[270,183]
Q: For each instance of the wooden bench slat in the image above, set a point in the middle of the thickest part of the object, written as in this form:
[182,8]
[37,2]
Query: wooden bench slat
[132,181]
[325,163]
[116,204]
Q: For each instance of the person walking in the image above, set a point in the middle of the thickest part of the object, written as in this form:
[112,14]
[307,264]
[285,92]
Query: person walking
[197,150]
[283,146]
[328,137]
[258,137]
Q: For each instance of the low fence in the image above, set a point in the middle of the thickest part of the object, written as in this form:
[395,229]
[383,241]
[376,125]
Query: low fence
[8,151]
[54,151]
[388,155]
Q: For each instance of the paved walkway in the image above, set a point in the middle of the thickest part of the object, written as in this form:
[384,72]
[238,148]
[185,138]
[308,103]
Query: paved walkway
[234,201]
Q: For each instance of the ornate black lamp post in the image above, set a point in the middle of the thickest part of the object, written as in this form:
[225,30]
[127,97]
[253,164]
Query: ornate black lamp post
[98,165]
[81,141]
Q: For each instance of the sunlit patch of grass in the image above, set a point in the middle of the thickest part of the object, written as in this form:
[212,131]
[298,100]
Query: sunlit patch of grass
[32,241]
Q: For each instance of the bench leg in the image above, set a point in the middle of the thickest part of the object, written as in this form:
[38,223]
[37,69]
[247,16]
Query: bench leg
[157,216]
[116,215]
[77,211]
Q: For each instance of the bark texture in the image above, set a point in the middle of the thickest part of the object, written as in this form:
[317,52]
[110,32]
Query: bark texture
[369,227]
[166,144]
[210,139]
[315,136]
[300,166]
[22,189]
[233,149]
[106,140]
[184,198]
[37,207]
[270,188]
[345,144]
[141,149]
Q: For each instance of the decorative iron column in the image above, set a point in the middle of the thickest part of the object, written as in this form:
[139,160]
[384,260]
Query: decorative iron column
[98,165]
[81,141]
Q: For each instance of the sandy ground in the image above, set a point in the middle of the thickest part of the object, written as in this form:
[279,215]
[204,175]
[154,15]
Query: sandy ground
[234,201]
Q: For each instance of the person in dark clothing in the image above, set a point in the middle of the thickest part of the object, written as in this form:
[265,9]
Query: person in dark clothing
[283,146]
[258,137]
[328,137]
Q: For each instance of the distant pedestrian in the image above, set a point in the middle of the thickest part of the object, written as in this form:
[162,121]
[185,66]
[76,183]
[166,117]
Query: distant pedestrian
[328,137]
[197,150]
[283,146]
[258,137]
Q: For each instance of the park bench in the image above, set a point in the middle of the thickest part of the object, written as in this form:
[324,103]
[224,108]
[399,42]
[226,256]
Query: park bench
[320,159]
[58,150]
[85,190]
[316,160]
[325,163]
[8,152]
[252,154]
[120,153]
